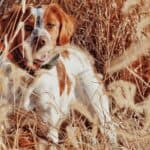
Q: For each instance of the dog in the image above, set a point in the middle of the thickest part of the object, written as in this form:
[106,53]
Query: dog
[39,42]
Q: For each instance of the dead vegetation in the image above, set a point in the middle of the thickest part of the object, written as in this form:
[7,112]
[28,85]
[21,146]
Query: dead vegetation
[117,34]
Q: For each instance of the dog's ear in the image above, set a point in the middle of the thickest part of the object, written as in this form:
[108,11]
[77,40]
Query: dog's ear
[9,21]
[66,24]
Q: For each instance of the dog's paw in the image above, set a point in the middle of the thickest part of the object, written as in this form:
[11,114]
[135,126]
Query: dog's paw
[111,134]
[110,131]
[53,135]
[27,106]
[113,138]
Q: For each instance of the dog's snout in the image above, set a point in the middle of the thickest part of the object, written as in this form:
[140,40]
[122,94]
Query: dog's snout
[35,32]
[39,42]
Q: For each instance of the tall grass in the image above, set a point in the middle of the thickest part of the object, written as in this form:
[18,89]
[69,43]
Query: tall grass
[117,34]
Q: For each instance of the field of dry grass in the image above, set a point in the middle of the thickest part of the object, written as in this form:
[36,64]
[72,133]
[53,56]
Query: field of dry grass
[117,34]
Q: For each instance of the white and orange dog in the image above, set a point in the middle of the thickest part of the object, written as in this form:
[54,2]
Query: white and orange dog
[39,37]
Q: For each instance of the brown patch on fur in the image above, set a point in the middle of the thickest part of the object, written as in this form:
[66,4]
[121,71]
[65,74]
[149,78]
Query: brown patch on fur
[61,72]
[9,22]
[65,54]
[2,48]
[8,25]
[66,24]
[68,83]
[63,78]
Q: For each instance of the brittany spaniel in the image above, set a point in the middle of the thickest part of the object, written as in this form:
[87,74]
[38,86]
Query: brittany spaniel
[38,42]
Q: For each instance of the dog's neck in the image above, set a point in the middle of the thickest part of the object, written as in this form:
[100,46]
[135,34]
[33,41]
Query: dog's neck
[22,63]
[51,63]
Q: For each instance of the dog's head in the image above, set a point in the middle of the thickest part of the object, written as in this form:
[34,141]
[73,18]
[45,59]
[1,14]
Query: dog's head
[34,33]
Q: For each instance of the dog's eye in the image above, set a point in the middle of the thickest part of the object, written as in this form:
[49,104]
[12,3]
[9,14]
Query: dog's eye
[50,25]
[28,28]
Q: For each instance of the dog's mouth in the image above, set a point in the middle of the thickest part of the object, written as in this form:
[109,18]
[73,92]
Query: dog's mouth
[43,59]
[48,63]
[39,61]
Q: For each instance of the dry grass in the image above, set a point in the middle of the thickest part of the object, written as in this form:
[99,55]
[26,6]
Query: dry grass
[117,34]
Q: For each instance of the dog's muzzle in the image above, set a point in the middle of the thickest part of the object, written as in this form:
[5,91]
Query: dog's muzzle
[52,62]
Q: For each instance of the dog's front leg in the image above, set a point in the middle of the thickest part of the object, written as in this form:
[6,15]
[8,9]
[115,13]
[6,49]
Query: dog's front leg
[54,122]
[100,102]
[51,114]
[27,95]
[28,92]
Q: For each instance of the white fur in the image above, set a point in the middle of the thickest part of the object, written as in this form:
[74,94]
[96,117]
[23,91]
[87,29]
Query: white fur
[47,49]
[57,107]
[37,12]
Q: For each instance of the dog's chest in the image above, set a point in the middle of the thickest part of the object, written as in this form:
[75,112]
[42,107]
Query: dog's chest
[57,82]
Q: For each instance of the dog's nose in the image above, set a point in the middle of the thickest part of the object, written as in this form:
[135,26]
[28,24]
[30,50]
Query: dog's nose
[44,56]
[39,42]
